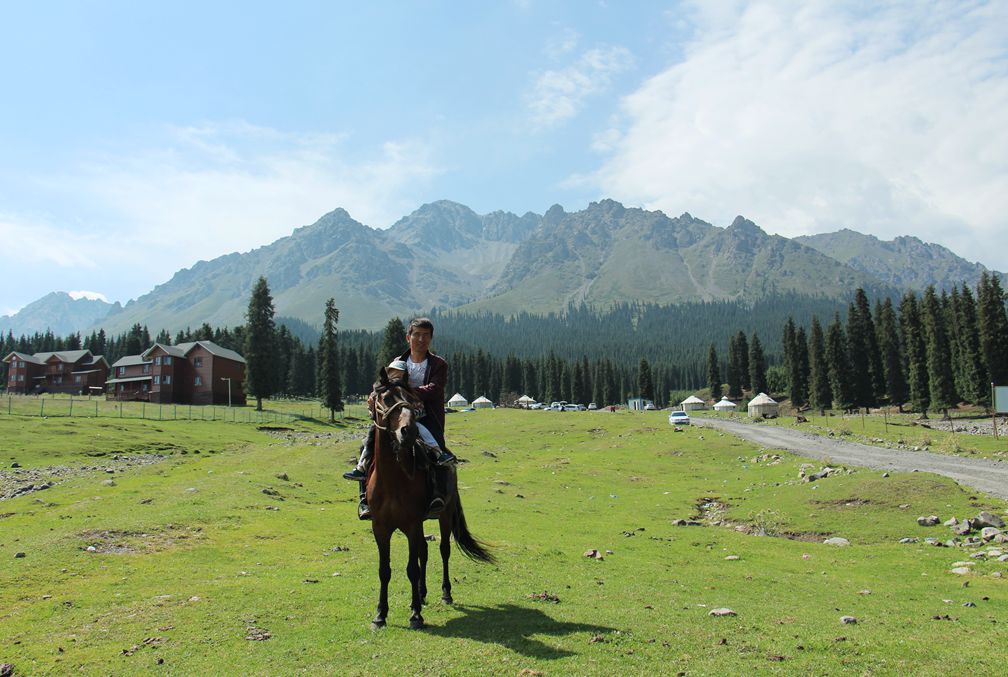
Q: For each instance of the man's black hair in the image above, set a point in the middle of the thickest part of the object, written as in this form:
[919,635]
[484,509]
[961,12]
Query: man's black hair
[420,323]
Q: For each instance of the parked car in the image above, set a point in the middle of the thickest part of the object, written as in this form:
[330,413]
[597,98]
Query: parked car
[678,418]
[650,407]
[572,407]
[536,405]
[592,406]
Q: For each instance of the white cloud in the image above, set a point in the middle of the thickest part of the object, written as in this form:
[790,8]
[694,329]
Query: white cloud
[90,295]
[559,95]
[810,116]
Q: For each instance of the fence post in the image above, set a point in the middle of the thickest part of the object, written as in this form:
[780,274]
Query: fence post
[159,411]
[42,408]
[71,406]
[143,410]
[96,408]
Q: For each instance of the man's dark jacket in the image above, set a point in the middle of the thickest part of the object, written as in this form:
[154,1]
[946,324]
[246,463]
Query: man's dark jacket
[432,394]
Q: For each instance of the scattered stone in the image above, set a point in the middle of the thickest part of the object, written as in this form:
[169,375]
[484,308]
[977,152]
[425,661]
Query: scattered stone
[6,669]
[722,611]
[987,519]
[961,571]
[837,541]
[269,491]
[18,555]
[254,634]
[962,528]
[108,483]
[951,522]
[593,554]
[15,464]
[928,521]
[908,540]
[272,507]
[732,558]
[864,593]
[282,476]
[595,639]
[969,604]
[311,580]
[529,672]
[988,533]
[545,596]
[848,620]
[91,548]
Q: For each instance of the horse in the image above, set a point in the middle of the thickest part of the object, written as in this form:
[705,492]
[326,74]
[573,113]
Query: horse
[397,495]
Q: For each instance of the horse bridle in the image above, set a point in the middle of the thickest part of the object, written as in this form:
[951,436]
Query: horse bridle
[383,413]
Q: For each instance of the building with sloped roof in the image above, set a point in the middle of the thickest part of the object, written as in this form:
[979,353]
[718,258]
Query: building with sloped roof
[198,372]
[66,371]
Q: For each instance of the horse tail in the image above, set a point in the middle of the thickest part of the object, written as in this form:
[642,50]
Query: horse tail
[467,543]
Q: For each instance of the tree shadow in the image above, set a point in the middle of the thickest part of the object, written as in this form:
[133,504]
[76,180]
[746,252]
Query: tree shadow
[512,626]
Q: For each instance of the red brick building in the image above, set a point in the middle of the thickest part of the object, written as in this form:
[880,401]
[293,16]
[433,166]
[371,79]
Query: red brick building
[200,372]
[68,371]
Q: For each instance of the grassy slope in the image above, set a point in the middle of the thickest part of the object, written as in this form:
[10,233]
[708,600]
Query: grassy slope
[206,560]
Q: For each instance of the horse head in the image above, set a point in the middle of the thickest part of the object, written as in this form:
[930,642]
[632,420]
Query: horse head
[397,409]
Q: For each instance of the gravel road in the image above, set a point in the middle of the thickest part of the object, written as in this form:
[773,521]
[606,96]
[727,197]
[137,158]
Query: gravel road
[987,476]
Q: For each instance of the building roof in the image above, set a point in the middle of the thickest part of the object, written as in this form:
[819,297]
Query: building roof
[69,356]
[130,361]
[131,379]
[692,399]
[15,355]
[458,397]
[481,400]
[725,403]
[183,349]
[762,398]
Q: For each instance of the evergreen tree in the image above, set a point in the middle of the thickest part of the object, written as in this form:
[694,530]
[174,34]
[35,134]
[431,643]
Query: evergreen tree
[992,323]
[974,386]
[915,354]
[802,354]
[838,360]
[393,343]
[940,380]
[743,371]
[757,366]
[332,397]
[891,354]
[713,374]
[260,343]
[645,386]
[867,379]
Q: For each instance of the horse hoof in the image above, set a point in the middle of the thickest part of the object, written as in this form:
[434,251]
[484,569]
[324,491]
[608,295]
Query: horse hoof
[378,624]
[416,624]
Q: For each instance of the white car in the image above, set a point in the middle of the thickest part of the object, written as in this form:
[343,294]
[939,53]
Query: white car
[678,418]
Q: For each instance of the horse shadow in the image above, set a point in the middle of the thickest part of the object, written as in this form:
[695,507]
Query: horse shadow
[513,627]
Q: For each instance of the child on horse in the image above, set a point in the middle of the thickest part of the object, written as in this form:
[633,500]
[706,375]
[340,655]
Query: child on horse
[426,375]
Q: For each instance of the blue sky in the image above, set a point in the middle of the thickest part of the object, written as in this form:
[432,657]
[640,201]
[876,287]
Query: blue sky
[137,139]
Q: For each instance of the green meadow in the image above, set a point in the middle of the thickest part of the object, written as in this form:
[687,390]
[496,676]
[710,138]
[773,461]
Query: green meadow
[219,548]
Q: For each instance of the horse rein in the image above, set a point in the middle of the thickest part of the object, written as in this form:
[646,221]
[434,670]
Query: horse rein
[384,411]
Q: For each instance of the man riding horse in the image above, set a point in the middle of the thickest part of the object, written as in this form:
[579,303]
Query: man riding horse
[427,376]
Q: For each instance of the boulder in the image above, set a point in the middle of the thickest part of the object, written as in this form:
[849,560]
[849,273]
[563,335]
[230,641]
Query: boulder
[836,540]
[987,519]
[962,528]
[988,533]
[928,521]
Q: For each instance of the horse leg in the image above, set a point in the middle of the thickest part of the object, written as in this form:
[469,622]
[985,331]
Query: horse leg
[416,543]
[423,568]
[446,528]
[383,538]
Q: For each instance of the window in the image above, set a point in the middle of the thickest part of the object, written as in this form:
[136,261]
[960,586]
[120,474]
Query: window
[167,379]
[146,387]
[122,371]
[13,376]
[198,381]
[157,380]
[21,377]
[77,379]
[197,362]
[146,369]
[157,360]
[20,364]
[167,359]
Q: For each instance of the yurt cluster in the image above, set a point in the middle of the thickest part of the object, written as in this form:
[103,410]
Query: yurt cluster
[761,406]
[457,401]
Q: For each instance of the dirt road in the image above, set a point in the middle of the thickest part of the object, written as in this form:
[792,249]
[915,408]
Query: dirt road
[987,476]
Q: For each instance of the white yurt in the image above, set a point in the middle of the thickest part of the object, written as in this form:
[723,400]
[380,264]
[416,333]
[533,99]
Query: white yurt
[692,403]
[458,401]
[482,403]
[762,405]
[525,401]
[725,405]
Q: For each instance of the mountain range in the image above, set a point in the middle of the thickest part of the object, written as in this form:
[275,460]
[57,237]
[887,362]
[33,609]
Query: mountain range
[446,255]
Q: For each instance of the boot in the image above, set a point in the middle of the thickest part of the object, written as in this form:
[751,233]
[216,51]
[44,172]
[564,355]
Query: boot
[437,503]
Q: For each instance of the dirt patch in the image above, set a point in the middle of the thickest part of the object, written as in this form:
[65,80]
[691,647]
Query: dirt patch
[119,542]
[844,503]
[314,438]
[21,481]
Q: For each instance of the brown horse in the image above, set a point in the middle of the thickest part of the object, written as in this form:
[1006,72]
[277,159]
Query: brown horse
[397,493]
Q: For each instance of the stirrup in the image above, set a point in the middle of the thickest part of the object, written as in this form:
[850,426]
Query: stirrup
[355,474]
[437,505]
[363,511]
[446,458]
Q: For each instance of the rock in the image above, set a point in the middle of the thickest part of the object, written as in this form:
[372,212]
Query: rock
[1003,558]
[282,476]
[6,670]
[962,528]
[885,474]
[732,558]
[19,555]
[908,540]
[108,483]
[848,620]
[987,519]
[91,548]
[722,611]
[970,604]
[836,540]
[962,571]
[15,464]
[928,521]
[594,554]
[988,533]
[951,522]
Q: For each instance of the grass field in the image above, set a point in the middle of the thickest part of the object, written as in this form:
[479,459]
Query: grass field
[226,533]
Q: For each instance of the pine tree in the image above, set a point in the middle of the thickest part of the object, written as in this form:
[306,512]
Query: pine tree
[867,379]
[260,343]
[332,397]
[742,356]
[820,391]
[891,354]
[802,353]
[645,385]
[975,387]
[713,374]
[915,354]
[757,366]
[393,343]
[992,324]
[839,365]
[940,380]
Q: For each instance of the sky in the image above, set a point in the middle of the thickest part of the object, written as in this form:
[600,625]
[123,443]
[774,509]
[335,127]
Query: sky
[139,138]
